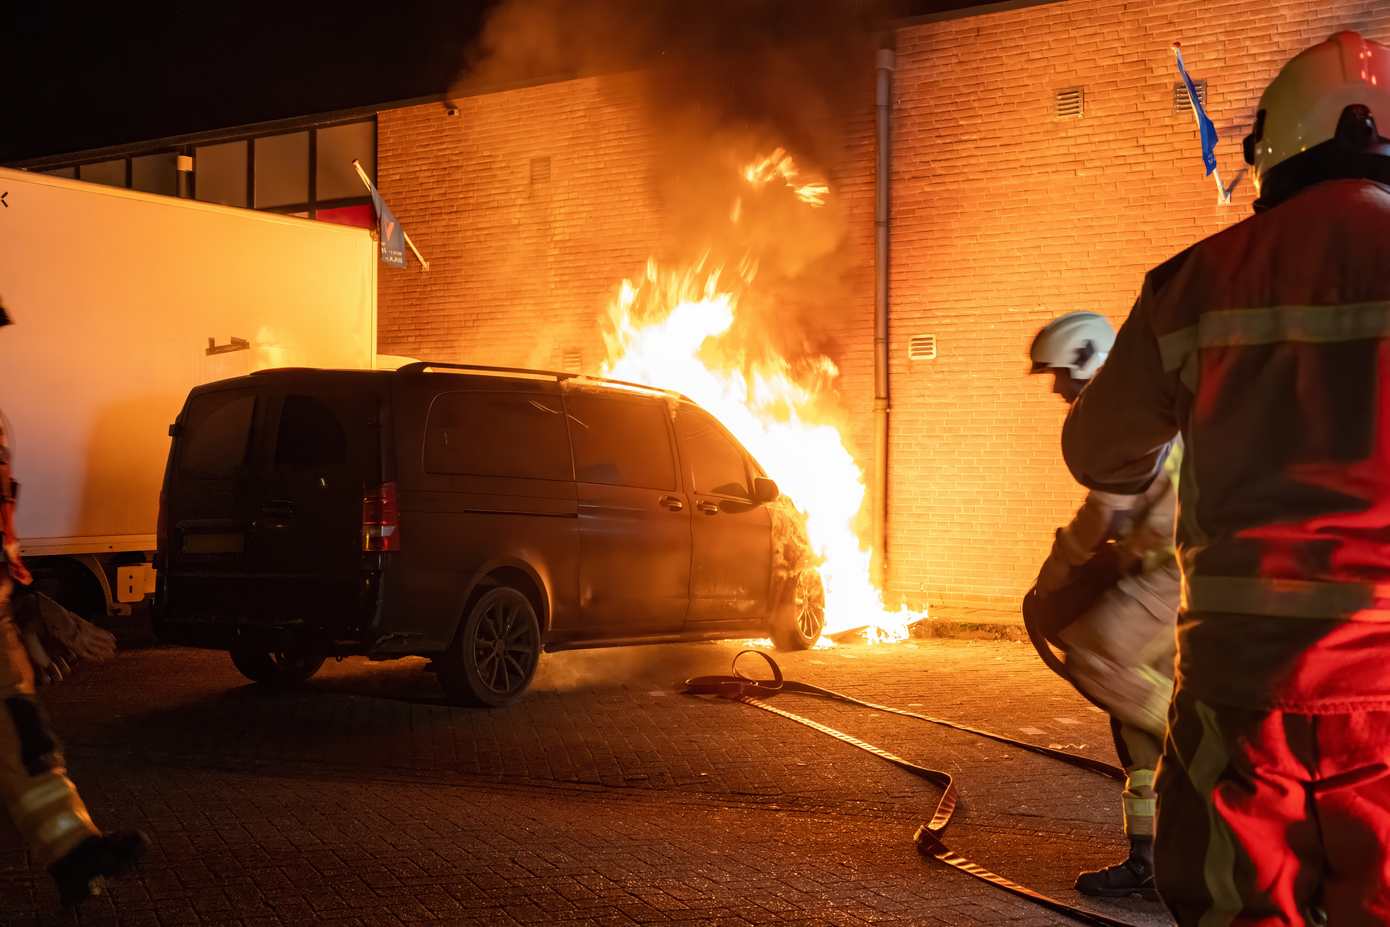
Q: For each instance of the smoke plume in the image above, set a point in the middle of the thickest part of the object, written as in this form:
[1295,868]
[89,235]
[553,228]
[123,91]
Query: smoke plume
[723,83]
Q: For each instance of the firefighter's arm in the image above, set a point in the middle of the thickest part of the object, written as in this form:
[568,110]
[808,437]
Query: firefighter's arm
[1119,428]
[1095,522]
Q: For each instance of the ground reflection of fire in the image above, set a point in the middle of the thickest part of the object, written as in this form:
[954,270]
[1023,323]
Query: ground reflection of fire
[671,329]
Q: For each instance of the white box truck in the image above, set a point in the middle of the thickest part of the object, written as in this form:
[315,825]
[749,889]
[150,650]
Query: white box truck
[121,303]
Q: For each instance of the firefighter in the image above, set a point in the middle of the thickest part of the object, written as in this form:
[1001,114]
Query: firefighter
[1267,346]
[41,800]
[1107,596]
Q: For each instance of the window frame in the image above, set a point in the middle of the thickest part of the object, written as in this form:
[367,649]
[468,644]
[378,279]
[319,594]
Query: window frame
[309,207]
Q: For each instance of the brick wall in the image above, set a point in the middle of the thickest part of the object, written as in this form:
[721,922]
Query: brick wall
[1005,216]
[531,204]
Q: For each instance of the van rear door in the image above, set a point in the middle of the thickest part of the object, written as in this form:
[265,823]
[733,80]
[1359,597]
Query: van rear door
[265,505]
[210,498]
[324,456]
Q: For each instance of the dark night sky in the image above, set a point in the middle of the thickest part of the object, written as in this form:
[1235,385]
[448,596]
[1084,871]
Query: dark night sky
[78,75]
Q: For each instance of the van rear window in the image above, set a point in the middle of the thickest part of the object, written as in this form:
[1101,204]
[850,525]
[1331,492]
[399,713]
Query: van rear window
[216,434]
[310,436]
[498,434]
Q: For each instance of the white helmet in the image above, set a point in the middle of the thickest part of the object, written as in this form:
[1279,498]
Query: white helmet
[1078,341]
[1318,118]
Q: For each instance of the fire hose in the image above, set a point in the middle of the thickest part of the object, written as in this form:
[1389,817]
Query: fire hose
[929,837]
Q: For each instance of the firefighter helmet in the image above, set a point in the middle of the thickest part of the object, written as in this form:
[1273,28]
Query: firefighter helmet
[1321,117]
[1077,341]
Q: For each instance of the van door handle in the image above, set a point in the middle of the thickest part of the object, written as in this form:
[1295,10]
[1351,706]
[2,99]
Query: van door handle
[709,508]
[674,503]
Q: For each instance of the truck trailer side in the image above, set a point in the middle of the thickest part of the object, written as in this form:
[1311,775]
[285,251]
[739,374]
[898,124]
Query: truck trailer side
[122,302]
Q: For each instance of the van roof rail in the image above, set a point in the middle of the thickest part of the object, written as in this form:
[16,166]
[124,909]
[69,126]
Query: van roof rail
[560,376]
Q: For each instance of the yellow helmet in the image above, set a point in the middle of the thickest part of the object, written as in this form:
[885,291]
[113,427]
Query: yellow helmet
[1318,118]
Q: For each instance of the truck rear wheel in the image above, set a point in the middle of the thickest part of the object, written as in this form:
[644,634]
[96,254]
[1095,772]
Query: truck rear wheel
[495,653]
[275,668]
[801,617]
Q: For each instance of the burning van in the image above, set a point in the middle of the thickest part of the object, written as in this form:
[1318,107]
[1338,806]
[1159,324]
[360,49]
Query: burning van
[474,515]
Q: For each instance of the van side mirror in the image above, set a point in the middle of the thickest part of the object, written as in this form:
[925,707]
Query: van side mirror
[765,490]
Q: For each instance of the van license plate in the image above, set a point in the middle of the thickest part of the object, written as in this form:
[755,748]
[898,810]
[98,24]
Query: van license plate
[229,543]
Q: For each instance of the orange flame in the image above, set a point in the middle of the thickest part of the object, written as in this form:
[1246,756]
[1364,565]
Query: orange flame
[780,164]
[671,329]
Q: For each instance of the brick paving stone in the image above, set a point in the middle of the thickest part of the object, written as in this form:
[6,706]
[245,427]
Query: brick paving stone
[602,798]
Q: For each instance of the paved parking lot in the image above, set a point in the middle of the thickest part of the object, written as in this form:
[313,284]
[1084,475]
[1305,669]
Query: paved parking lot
[603,798]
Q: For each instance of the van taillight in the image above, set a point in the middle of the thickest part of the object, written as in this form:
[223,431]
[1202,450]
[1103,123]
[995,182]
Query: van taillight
[381,519]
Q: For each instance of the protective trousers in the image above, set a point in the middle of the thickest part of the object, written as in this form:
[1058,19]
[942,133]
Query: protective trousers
[41,800]
[1270,817]
[1121,657]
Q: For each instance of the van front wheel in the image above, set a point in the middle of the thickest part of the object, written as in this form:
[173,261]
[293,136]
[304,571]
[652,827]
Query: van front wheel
[495,653]
[275,668]
[801,618]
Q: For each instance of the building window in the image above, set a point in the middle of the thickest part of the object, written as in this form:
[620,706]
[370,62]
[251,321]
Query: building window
[157,173]
[307,173]
[337,147]
[282,170]
[219,173]
[111,173]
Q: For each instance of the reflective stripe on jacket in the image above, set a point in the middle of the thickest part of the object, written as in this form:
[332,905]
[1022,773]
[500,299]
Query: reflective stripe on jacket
[1268,347]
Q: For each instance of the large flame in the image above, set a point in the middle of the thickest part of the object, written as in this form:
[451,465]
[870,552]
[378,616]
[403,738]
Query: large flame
[671,329]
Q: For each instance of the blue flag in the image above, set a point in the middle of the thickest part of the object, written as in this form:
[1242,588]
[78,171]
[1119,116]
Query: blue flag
[389,231]
[1209,136]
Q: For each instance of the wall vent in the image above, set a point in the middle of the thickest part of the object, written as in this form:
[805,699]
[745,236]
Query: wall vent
[571,360]
[921,348]
[1071,103]
[540,169]
[1180,101]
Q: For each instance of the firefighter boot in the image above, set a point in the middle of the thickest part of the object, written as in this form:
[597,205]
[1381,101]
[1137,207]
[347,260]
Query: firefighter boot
[1134,876]
[95,858]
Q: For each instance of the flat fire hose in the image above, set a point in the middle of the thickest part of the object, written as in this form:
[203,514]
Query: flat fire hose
[745,689]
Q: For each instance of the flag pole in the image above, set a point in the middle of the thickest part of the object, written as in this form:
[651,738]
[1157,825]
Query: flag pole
[366,182]
[1223,196]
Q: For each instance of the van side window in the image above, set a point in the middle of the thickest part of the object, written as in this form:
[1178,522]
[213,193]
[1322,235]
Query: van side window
[620,441]
[713,462]
[310,436]
[498,434]
[216,435]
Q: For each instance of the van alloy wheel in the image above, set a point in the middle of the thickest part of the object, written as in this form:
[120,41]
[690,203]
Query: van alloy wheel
[496,652]
[801,618]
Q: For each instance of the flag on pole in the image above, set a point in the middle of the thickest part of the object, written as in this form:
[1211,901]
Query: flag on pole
[1204,124]
[392,237]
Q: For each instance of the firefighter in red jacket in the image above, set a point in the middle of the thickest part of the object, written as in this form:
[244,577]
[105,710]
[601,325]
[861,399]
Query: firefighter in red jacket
[1268,347]
[41,800]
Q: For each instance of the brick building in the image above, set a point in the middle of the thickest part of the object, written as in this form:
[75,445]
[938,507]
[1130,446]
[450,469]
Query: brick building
[1043,158]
